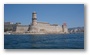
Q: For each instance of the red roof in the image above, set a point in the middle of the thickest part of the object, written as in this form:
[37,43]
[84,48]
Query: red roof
[64,24]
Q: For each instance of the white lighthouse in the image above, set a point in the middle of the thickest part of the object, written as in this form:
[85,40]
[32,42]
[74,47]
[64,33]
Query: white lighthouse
[34,18]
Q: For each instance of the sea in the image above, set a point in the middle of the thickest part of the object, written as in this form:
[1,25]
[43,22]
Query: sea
[44,41]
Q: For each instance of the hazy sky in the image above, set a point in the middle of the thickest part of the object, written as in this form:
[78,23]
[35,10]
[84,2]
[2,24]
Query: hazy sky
[72,14]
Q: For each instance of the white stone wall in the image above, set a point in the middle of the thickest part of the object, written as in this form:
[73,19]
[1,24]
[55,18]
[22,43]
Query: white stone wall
[46,28]
[22,29]
[42,24]
[41,28]
[33,29]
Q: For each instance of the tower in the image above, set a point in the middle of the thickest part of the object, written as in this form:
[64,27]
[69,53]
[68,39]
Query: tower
[64,28]
[34,18]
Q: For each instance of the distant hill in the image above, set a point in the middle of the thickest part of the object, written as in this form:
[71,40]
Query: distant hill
[76,29]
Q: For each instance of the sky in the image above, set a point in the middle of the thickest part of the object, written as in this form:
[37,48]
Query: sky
[71,14]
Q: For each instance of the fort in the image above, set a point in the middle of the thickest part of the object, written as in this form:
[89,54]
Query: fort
[36,27]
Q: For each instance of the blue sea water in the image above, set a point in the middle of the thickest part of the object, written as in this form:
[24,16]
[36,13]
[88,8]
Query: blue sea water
[44,41]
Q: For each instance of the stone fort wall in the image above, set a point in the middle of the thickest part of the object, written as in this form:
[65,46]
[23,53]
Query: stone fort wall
[45,28]
[21,28]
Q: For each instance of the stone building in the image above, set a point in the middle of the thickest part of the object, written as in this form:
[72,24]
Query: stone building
[8,26]
[40,27]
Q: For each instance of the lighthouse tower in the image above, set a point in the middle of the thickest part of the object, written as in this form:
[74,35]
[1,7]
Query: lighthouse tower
[34,18]
[64,28]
